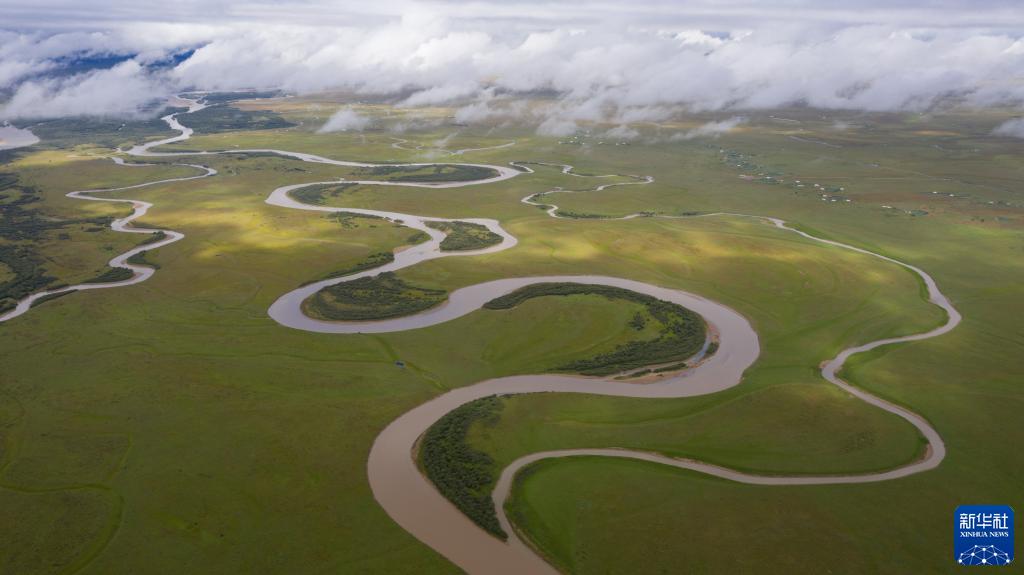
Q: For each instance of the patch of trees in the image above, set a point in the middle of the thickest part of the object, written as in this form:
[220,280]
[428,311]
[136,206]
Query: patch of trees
[662,369]
[256,155]
[8,157]
[371,261]
[22,229]
[638,322]
[106,132]
[140,259]
[225,97]
[417,238]
[521,166]
[349,220]
[154,238]
[317,194]
[29,276]
[50,297]
[222,118]
[431,174]
[379,297]
[465,236]
[112,275]
[533,199]
[682,335]
[462,474]
[19,221]
[581,216]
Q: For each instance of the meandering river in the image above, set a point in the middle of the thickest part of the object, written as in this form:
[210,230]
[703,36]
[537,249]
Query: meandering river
[409,497]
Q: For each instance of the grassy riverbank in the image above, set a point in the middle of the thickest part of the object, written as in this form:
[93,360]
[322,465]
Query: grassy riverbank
[372,261]
[439,173]
[463,236]
[681,332]
[466,475]
[463,475]
[379,297]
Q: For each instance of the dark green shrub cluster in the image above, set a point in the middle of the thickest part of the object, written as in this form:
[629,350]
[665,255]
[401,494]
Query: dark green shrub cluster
[465,236]
[663,369]
[372,261]
[50,297]
[140,259]
[417,238]
[317,195]
[29,276]
[21,221]
[154,238]
[683,331]
[432,174]
[581,216]
[222,118]
[462,474]
[22,228]
[638,322]
[521,166]
[107,132]
[672,367]
[380,297]
[112,275]
[225,97]
[349,220]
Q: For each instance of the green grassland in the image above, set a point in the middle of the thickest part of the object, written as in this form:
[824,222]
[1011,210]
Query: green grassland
[45,239]
[428,174]
[681,333]
[379,297]
[174,419]
[371,261]
[68,133]
[6,273]
[463,236]
[317,195]
[218,118]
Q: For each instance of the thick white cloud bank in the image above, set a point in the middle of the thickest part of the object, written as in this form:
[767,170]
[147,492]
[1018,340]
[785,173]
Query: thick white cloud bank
[122,90]
[602,62]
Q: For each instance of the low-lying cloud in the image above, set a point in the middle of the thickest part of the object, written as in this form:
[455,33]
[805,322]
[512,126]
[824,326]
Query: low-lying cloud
[557,127]
[345,120]
[601,62]
[622,132]
[123,90]
[1013,128]
[710,129]
[11,137]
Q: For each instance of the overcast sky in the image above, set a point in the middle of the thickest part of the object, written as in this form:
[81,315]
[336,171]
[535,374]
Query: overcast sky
[630,59]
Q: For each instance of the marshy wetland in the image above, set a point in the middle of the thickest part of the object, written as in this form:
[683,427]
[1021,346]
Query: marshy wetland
[328,412]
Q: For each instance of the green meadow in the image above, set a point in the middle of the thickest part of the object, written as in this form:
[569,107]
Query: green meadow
[174,420]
